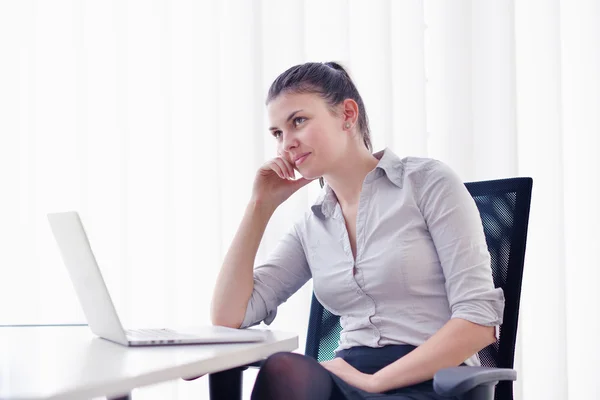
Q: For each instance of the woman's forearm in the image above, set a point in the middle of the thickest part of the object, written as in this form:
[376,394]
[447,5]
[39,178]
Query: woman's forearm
[235,281]
[456,341]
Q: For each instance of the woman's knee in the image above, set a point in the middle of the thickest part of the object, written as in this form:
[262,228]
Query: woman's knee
[280,363]
[292,376]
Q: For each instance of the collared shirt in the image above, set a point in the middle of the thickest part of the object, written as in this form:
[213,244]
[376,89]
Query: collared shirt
[421,258]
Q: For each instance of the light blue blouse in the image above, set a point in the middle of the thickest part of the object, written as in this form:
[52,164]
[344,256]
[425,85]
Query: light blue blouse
[421,258]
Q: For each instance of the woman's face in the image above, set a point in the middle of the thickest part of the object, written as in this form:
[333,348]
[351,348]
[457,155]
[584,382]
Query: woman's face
[308,135]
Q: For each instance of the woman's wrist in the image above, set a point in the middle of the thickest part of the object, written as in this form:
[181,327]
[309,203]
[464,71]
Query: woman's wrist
[262,205]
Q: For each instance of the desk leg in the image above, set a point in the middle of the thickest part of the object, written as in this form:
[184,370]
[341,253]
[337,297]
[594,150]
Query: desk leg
[226,385]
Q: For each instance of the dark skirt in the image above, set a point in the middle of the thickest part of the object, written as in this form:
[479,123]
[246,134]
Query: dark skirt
[369,360]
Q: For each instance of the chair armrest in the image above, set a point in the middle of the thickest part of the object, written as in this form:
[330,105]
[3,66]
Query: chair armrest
[460,380]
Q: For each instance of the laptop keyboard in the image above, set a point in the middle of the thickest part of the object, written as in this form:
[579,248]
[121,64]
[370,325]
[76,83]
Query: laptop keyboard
[156,334]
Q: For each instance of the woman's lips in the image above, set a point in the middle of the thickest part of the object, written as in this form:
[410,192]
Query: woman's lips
[301,159]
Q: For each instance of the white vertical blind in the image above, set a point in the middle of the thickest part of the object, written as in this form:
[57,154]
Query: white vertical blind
[580,98]
[540,154]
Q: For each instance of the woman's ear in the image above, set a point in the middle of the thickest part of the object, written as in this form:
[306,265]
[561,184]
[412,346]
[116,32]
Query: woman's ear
[349,113]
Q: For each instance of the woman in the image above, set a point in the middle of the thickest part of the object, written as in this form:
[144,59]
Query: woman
[394,246]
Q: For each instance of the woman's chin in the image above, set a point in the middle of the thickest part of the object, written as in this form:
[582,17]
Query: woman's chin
[308,175]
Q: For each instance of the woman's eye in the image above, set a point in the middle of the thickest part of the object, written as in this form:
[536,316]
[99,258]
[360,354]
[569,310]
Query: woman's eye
[297,121]
[301,119]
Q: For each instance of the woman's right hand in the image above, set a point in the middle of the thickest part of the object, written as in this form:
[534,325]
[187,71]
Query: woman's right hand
[274,182]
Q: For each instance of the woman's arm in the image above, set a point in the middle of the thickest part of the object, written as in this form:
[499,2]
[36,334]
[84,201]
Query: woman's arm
[238,292]
[235,280]
[476,307]
[449,347]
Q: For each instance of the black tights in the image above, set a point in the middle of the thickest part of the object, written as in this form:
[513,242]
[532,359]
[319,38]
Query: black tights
[292,376]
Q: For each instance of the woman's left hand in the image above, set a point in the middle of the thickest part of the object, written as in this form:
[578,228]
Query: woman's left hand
[350,374]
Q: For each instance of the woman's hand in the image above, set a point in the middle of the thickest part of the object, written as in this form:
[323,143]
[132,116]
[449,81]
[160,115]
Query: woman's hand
[351,375]
[275,183]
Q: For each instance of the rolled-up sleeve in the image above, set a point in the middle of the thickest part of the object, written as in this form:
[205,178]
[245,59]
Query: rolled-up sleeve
[455,226]
[285,271]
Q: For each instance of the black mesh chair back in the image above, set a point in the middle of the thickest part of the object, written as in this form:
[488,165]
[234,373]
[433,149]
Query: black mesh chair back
[504,209]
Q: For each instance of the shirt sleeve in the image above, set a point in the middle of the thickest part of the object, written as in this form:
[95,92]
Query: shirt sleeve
[455,226]
[285,271]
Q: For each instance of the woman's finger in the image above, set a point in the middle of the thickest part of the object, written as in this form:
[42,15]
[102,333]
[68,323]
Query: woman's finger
[289,167]
[281,164]
[277,168]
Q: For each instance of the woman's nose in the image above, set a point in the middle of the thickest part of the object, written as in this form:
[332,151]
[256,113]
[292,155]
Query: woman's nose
[289,142]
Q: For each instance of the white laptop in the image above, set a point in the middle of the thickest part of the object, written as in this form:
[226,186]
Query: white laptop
[98,307]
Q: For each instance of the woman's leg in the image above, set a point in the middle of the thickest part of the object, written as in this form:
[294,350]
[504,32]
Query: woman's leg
[293,376]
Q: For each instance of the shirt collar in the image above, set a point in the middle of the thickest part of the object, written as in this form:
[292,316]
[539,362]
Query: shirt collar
[389,165]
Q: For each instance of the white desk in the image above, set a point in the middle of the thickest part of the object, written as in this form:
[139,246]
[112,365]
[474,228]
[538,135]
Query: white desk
[71,363]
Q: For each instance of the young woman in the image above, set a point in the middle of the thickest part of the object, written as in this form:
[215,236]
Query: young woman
[394,246]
